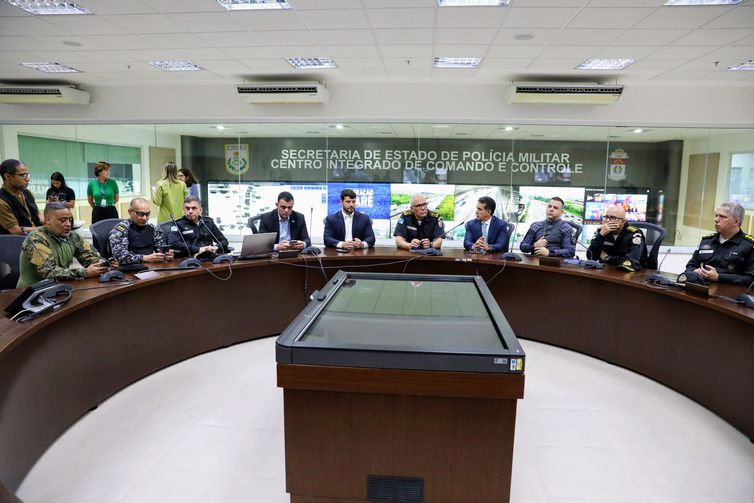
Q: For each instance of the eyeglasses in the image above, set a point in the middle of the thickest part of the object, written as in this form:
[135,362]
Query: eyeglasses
[422,205]
[611,218]
[25,175]
[141,214]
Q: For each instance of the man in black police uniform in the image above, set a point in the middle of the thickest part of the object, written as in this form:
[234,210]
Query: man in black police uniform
[136,240]
[617,243]
[200,234]
[419,227]
[726,256]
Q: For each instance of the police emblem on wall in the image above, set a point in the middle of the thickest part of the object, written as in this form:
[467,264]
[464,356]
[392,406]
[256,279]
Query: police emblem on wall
[618,161]
[237,159]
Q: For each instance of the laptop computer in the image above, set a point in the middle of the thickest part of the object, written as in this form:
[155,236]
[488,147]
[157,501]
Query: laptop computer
[257,246]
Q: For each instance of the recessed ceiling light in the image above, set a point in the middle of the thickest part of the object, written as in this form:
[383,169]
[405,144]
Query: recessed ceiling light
[746,65]
[605,64]
[47,8]
[637,130]
[456,62]
[471,3]
[338,126]
[51,67]
[254,4]
[312,62]
[220,127]
[176,66]
[508,128]
[672,3]
[441,126]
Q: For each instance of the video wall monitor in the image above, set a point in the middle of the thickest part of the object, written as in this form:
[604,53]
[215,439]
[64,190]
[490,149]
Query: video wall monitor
[535,200]
[231,204]
[405,321]
[371,198]
[596,203]
[440,198]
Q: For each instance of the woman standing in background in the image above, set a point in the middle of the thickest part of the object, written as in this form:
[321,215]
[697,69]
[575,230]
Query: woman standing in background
[59,191]
[102,193]
[192,184]
[169,194]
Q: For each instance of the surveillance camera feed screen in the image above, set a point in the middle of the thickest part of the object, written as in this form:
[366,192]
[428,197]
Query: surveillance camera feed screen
[405,315]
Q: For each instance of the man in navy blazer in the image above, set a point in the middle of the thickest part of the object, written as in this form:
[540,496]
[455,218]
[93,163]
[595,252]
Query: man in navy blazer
[348,229]
[496,239]
[289,225]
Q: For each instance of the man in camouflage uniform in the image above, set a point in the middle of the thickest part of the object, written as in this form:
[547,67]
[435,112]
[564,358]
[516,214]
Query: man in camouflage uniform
[727,255]
[617,243]
[136,240]
[419,227]
[48,252]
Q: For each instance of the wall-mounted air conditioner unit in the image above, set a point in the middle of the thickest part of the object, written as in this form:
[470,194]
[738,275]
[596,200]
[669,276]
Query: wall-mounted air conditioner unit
[283,92]
[564,93]
[43,95]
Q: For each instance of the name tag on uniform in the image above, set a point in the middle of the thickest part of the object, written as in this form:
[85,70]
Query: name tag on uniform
[411,228]
[104,202]
[702,252]
[190,231]
[608,243]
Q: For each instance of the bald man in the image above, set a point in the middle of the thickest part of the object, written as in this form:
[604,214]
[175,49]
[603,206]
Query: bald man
[618,243]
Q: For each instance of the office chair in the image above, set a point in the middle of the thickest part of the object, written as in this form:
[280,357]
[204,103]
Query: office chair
[101,235]
[253,223]
[653,237]
[10,253]
[576,230]
[510,228]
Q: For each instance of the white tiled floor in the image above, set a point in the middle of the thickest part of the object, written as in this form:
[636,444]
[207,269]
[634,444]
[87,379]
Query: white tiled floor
[211,430]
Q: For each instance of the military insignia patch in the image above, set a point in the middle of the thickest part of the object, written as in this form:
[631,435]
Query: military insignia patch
[636,240]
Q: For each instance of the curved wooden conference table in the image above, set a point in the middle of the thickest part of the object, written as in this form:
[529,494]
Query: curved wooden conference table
[55,368]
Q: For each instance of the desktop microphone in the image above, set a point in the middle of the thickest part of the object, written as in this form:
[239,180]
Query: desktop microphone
[667,252]
[201,221]
[588,263]
[745,298]
[511,255]
[434,251]
[189,262]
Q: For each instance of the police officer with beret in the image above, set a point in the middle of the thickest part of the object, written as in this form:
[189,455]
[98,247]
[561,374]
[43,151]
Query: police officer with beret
[726,256]
[419,227]
[617,243]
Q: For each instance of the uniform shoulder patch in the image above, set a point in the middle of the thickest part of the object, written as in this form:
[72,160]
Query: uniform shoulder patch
[121,227]
[749,237]
[631,228]
[710,235]
[407,213]
[435,214]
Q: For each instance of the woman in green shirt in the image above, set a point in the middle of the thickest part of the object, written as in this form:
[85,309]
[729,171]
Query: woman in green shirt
[169,194]
[102,193]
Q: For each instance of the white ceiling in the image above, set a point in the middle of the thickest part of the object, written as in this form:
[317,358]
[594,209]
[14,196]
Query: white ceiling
[381,41]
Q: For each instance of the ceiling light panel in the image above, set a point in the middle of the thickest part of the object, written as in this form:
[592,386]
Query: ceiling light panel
[254,4]
[51,67]
[674,3]
[176,66]
[312,62]
[456,62]
[605,64]
[472,3]
[48,8]
[745,66]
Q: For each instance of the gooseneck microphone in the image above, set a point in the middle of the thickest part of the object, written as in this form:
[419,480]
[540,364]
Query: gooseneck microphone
[659,266]
[511,255]
[201,220]
[189,262]
[745,298]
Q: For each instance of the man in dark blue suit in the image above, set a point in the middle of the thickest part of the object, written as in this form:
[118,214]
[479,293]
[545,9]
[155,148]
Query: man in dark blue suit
[348,229]
[486,233]
[289,225]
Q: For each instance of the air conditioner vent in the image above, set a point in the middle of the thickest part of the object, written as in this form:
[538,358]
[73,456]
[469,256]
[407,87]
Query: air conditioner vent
[567,94]
[304,92]
[44,95]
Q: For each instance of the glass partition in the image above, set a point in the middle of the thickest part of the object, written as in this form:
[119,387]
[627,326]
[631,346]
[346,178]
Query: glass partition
[674,177]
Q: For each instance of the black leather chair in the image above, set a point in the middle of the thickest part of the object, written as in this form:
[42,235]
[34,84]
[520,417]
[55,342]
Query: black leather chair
[10,252]
[101,235]
[577,230]
[654,235]
[253,223]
